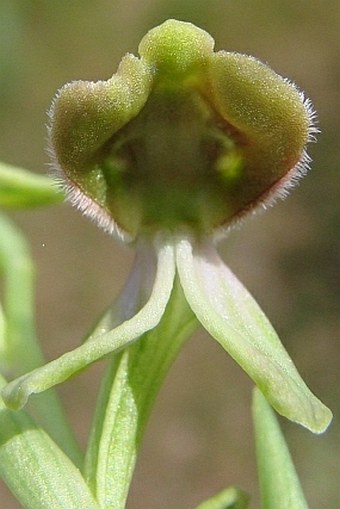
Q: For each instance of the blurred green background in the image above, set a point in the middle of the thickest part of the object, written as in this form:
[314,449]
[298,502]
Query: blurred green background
[200,435]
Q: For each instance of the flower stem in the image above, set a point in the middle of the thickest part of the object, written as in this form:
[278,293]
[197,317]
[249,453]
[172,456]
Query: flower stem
[279,483]
[129,389]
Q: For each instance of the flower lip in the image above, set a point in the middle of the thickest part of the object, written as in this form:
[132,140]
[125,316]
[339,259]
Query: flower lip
[182,137]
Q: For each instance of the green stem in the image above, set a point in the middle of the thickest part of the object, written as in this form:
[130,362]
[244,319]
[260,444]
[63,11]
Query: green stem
[128,392]
[279,482]
[20,346]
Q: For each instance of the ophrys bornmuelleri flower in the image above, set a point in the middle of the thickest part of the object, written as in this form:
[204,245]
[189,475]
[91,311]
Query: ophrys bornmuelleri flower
[179,145]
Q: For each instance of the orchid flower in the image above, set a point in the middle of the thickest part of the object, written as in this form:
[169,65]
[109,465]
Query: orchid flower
[180,145]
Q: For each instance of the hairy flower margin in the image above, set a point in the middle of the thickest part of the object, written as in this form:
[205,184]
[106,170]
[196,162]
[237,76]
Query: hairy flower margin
[168,154]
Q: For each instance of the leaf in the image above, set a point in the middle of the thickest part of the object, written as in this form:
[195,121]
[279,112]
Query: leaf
[231,315]
[19,348]
[3,346]
[21,188]
[230,498]
[38,473]
[279,483]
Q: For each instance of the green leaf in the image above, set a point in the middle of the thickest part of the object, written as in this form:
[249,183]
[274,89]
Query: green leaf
[18,391]
[22,352]
[279,483]
[234,319]
[128,392]
[230,498]
[3,346]
[20,188]
[19,348]
[38,473]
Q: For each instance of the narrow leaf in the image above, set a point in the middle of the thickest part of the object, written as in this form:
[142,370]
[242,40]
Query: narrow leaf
[21,188]
[3,346]
[20,350]
[230,498]
[38,473]
[279,483]
[231,315]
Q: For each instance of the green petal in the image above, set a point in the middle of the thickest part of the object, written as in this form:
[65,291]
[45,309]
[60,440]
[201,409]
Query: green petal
[84,117]
[233,318]
[267,109]
[84,114]
[279,483]
[177,49]
[18,391]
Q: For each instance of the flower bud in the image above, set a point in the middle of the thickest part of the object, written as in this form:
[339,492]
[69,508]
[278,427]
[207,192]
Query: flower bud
[181,137]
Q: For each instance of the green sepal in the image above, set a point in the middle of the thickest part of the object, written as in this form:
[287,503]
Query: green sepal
[85,115]
[180,137]
[279,484]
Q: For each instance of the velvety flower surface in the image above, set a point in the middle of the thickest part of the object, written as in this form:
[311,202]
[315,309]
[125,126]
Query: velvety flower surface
[169,153]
